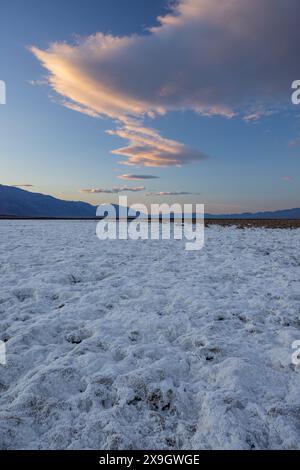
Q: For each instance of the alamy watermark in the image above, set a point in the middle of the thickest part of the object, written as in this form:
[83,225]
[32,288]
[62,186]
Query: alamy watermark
[162,222]
[2,353]
[296,94]
[296,354]
[2,92]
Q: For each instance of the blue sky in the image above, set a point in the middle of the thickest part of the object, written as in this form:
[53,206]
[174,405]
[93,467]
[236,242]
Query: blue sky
[253,158]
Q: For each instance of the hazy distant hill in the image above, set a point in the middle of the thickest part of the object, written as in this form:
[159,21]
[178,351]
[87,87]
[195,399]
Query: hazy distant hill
[20,203]
[282,214]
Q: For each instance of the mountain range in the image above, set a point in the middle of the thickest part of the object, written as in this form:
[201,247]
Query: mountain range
[20,203]
[16,202]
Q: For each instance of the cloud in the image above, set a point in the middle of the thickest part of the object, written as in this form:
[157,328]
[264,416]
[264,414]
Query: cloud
[229,57]
[114,190]
[79,108]
[294,143]
[130,177]
[288,179]
[169,193]
[205,55]
[147,147]
[23,185]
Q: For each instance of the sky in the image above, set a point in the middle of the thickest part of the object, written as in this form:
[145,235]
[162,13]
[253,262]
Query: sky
[183,101]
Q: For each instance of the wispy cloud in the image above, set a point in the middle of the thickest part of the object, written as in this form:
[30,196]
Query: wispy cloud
[25,185]
[79,108]
[130,177]
[169,193]
[147,147]
[114,190]
[288,179]
[294,142]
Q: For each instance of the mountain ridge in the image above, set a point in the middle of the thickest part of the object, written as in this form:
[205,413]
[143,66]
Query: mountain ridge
[17,202]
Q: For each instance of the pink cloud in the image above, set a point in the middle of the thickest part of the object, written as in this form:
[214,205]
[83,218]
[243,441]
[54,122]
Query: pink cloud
[131,177]
[213,57]
[114,190]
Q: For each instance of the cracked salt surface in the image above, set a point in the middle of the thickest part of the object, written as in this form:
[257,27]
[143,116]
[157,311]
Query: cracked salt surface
[141,344]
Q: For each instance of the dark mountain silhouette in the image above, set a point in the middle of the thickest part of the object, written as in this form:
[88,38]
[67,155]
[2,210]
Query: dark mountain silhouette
[16,202]
[20,203]
[282,214]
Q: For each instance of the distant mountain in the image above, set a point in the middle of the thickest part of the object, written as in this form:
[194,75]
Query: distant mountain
[282,214]
[20,203]
[16,202]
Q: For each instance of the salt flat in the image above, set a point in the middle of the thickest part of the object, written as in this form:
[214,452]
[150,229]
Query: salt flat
[141,344]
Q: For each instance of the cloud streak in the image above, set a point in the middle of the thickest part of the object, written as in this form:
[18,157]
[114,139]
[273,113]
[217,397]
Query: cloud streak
[114,190]
[23,185]
[148,148]
[169,193]
[131,177]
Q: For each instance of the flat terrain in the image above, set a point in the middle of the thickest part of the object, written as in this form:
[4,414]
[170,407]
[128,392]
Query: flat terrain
[264,223]
[141,344]
[240,223]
